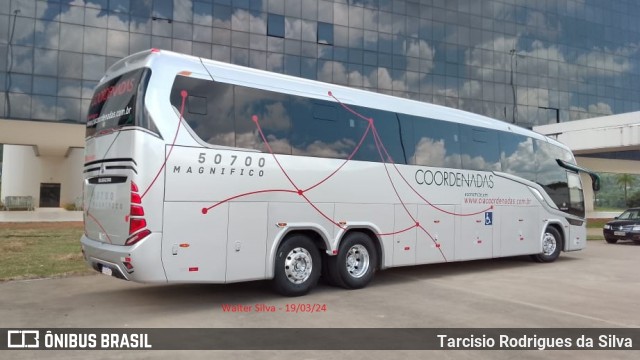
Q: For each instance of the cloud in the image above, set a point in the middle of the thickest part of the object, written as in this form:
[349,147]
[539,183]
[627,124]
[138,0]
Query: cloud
[338,149]
[522,162]
[433,153]
[612,60]
[600,108]
[479,163]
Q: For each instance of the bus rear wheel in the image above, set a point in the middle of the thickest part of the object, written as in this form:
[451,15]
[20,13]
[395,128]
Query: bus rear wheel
[297,266]
[355,264]
[551,246]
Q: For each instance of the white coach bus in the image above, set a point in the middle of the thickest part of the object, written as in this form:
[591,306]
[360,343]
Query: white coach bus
[201,171]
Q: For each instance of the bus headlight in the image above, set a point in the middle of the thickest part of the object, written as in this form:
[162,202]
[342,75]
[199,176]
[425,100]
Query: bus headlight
[636,228]
[607,227]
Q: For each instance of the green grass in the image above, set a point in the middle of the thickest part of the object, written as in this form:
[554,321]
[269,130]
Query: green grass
[596,223]
[611,209]
[40,250]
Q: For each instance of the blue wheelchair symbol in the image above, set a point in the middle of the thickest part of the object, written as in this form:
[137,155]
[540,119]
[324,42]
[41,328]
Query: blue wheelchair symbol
[488,218]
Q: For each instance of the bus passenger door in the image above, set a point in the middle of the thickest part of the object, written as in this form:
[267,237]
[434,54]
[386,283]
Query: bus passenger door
[475,240]
[246,245]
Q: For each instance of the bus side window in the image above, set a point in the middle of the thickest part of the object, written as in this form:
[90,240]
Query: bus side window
[273,111]
[517,156]
[480,148]
[209,108]
[320,129]
[388,129]
[435,142]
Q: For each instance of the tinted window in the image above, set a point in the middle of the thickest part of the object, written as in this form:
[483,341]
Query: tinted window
[213,122]
[434,142]
[550,175]
[388,129]
[480,148]
[275,25]
[316,133]
[630,215]
[325,33]
[115,103]
[274,116]
[517,156]
[576,199]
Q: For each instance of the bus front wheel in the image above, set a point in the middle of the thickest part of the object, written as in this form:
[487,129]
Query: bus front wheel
[551,246]
[355,264]
[297,266]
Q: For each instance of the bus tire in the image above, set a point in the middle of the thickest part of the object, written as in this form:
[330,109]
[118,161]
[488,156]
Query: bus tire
[355,264]
[551,246]
[330,272]
[611,240]
[297,266]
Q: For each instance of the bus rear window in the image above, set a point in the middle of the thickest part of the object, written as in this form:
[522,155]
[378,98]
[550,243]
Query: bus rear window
[115,103]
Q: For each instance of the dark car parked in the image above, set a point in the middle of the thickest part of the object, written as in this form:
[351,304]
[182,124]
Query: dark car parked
[624,227]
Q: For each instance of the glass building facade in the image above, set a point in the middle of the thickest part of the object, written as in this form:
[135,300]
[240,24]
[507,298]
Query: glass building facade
[529,62]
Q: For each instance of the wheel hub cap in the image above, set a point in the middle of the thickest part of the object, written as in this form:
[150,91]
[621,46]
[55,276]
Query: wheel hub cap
[357,261]
[548,244]
[298,265]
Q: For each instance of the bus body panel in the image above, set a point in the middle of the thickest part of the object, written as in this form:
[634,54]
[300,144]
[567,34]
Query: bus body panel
[122,154]
[404,241]
[475,235]
[247,242]
[106,201]
[576,239]
[518,230]
[438,242]
[194,247]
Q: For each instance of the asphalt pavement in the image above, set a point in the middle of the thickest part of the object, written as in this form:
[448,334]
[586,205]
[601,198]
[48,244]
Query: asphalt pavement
[597,287]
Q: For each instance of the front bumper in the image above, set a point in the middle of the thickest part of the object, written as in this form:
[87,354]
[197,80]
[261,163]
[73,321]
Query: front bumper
[621,235]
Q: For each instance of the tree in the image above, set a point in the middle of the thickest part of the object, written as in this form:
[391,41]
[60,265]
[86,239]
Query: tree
[634,200]
[625,180]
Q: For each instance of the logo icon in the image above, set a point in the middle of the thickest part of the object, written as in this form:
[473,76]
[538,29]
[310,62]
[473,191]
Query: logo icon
[488,218]
[21,339]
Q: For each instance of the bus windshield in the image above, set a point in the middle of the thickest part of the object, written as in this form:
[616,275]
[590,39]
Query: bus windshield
[115,103]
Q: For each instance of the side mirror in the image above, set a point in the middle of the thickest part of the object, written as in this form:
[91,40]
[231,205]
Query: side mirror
[595,179]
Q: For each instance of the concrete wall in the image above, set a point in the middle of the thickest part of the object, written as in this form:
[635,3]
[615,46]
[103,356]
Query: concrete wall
[23,172]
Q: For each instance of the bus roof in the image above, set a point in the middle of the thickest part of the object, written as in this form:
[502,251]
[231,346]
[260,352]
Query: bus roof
[266,80]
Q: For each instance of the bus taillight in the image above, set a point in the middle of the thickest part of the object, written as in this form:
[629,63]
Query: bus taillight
[137,222]
[137,237]
[137,210]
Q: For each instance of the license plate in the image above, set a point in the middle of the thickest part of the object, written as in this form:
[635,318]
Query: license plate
[619,233]
[107,270]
